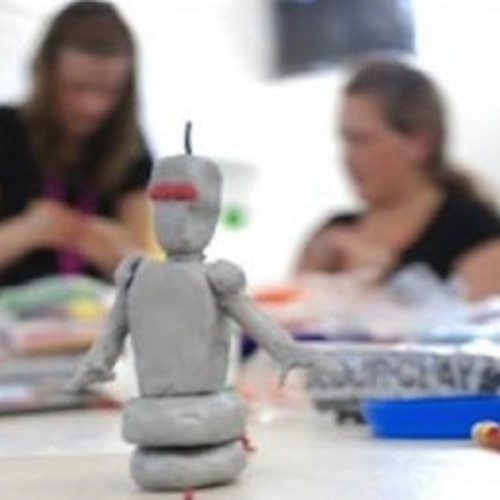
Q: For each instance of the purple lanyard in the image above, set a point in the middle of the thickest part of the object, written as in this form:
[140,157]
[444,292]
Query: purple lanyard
[69,262]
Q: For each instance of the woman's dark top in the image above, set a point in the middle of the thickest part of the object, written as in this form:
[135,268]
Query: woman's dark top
[460,224]
[21,182]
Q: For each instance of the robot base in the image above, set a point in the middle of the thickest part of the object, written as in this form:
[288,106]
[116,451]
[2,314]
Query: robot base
[182,468]
[184,421]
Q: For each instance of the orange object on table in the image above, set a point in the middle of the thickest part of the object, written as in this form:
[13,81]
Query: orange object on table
[487,433]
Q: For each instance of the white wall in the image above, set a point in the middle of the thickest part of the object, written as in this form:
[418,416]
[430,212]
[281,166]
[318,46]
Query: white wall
[193,66]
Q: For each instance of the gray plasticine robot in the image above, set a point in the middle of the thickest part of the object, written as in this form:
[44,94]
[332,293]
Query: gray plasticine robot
[186,424]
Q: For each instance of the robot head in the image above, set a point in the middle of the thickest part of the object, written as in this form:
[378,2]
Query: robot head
[186,195]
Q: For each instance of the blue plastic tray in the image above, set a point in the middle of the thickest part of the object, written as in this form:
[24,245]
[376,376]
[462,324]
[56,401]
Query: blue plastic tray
[450,417]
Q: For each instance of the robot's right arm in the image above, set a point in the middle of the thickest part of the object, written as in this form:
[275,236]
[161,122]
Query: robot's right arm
[98,363]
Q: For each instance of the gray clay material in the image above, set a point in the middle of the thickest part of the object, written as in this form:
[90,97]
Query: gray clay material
[184,421]
[177,313]
[176,470]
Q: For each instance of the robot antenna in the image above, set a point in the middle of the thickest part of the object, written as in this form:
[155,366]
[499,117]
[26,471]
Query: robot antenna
[187,138]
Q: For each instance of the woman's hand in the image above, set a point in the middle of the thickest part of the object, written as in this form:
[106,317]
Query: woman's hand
[50,224]
[102,242]
[355,252]
[339,249]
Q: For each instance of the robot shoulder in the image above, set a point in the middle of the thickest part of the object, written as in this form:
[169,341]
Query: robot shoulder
[126,270]
[226,278]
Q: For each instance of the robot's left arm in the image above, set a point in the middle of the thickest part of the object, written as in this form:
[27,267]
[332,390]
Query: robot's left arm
[228,283]
[98,363]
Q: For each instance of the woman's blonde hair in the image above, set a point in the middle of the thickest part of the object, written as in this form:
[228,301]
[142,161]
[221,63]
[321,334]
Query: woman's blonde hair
[95,28]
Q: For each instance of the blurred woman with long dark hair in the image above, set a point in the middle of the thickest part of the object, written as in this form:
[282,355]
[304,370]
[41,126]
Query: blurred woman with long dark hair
[73,163]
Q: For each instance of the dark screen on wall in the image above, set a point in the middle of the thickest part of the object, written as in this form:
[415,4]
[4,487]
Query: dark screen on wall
[316,34]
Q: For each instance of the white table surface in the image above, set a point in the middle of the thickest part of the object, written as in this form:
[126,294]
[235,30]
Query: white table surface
[300,455]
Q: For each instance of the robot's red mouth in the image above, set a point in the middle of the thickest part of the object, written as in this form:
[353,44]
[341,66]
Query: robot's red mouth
[177,191]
